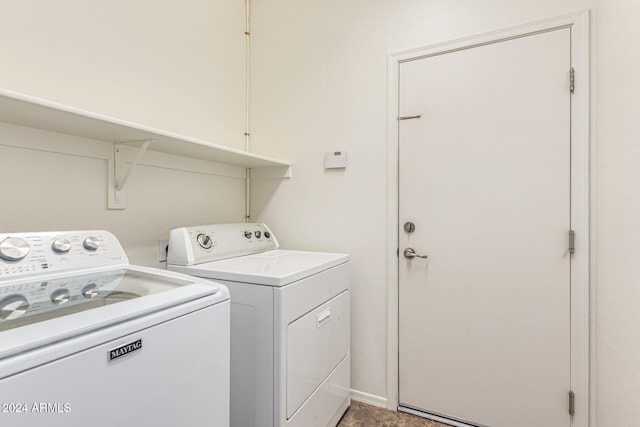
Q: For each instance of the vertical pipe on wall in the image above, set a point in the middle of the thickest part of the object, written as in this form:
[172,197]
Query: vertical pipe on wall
[247,132]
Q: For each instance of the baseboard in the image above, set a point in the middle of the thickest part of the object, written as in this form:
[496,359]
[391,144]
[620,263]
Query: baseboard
[369,399]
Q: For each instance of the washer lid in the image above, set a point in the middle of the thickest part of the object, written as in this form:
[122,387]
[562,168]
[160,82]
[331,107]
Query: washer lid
[272,268]
[58,307]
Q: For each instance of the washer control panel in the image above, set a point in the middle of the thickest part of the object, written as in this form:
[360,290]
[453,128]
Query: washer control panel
[25,254]
[206,243]
[44,295]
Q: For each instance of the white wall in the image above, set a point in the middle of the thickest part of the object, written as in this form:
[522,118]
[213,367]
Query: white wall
[319,74]
[617,313]
[173,65]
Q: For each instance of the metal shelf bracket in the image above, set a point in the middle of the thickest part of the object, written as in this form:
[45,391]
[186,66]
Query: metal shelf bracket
[120,171]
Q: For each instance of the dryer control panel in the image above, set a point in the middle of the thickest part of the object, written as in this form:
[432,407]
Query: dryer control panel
[206,243]
[27,254]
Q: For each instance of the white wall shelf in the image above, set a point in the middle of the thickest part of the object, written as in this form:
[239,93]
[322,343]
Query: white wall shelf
[24,110]
[38,113]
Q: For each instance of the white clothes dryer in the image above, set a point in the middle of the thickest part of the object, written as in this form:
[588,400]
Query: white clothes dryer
[290,326]
[90,340]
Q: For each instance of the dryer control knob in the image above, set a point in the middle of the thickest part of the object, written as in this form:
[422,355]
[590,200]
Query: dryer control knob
[13,306]
[14,249]
[258,234]
[92,243]
[61,246]
[267,234]
[205,241]
[247,234]
[60,296]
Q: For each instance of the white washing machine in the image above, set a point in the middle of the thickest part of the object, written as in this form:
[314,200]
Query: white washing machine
[290,351]
[88,340]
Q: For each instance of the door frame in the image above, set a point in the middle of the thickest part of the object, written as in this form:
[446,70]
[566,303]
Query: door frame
[580,201]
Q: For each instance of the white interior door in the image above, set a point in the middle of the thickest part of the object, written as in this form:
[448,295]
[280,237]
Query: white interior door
[484,175]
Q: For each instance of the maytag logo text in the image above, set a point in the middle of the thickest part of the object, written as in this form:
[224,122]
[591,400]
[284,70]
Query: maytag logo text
[123,350]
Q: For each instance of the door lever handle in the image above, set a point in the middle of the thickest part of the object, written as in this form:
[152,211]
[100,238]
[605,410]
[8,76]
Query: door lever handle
[411,253]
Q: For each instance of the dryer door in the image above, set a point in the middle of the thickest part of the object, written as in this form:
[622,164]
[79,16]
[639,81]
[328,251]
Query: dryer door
[316,344]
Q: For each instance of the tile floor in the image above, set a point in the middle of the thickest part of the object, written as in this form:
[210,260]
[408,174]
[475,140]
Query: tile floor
[363,415]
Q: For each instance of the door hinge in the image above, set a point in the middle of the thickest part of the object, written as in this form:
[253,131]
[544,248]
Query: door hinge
[572,403]
[572,242]
[572,80]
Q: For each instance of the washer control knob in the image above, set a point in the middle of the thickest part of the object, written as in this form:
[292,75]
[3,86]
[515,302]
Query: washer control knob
[90,291]
[60,296]
[92,243]
[13,306]
[14,249]
[247,234]
[205,241]
[267,235]
[61,246]
[258,234]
